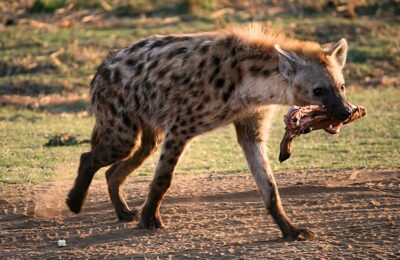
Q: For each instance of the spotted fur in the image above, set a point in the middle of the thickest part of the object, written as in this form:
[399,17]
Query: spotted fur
[176,87]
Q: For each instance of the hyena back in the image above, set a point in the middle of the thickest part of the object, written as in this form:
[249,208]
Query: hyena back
[173,88]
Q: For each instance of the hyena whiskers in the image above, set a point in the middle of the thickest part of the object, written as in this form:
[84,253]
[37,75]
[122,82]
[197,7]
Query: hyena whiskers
[169,89]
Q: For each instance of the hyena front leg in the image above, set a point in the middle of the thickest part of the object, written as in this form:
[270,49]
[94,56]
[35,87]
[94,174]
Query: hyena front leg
[171,151]
[250,133]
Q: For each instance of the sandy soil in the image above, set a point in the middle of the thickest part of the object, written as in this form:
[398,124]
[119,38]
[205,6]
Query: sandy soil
[355,214]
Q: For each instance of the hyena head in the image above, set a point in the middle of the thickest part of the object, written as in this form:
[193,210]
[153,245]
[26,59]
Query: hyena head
[318,81]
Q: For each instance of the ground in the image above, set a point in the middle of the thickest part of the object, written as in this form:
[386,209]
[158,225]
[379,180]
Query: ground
[354,213]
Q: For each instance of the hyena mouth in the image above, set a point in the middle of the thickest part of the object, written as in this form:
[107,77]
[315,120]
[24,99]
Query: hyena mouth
[310,115]
[302,120]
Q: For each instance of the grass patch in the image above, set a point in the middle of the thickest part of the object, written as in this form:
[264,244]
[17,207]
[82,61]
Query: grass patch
[370,142]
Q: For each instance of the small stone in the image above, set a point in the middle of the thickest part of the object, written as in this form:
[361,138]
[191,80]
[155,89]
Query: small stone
[61,243]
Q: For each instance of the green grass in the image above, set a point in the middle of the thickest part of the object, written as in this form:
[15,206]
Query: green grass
[373,141]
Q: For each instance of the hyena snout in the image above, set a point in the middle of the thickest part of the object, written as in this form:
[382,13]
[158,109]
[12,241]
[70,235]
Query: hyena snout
[343,113]
[339,108]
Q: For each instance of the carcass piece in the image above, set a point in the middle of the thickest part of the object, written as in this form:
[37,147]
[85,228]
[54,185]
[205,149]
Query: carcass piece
[302,120]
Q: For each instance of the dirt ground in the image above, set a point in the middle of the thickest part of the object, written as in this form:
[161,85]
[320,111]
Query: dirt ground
[355,214]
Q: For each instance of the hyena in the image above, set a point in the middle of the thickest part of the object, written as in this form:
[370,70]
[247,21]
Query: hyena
[172,88]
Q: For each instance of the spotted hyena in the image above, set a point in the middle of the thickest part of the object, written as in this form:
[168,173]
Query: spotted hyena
[172,88]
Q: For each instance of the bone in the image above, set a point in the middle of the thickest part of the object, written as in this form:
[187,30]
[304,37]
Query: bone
[303,120]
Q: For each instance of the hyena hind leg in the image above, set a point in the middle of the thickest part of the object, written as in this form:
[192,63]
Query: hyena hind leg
[172,149]
[118,173]
[110,147]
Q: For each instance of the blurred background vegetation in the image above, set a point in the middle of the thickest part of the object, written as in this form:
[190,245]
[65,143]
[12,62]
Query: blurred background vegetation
[49,51]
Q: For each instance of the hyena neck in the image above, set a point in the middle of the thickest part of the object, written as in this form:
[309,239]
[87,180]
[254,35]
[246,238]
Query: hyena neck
[262,83]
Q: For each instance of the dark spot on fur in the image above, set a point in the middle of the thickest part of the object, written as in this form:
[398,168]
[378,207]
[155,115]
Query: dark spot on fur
[138,45]
[104,72]
[126,119]
[233,64]
[263,57]
[139,68]
[148,57]
[206,99]
[216,61]
[202,63]
[184,132]
[117,76]
[192,129]
[167,90]
[135,128]
[153,65]
[195,93]
[112,109]
[186,81]
[219,83]
[172,161]
[106,138]
[255,70]
[271,96]
[162,157]
[200,107]
[158,43]
[172,39]
[162,72]
[168,144]
[229,41]
[121,101]
[174,128]
[204,49]
[108,131]
[180,50]
[266,72]
[214,74]
[136,98]
[182,123]
[153,95]
[233,51]
[239,74]
[199,73]
[228,93]
[131,62]
[147,85]
[175,77]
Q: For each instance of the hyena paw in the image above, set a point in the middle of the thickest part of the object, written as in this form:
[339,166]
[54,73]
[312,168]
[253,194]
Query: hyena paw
[150,222]
[75,201]
[300,234]
[128,215]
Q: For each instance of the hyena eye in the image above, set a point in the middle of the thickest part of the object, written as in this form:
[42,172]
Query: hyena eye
[343,87]
[319,92]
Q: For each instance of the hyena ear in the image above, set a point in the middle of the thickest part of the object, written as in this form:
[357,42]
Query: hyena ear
[339,52]
[289,62]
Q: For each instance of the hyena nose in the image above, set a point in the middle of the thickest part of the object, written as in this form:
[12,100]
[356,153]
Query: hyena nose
[345,114]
